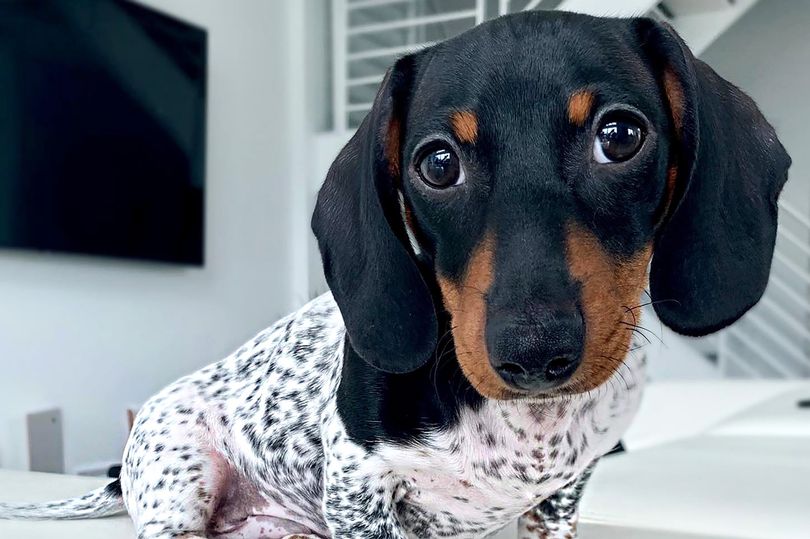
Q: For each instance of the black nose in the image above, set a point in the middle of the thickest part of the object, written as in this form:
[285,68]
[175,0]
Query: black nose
[536,356]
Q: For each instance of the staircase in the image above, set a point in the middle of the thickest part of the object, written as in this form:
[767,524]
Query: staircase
[773,339]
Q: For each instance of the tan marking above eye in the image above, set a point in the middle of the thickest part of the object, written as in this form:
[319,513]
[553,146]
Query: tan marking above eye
[609,287]
[466,303]
[579,106]
[465,126]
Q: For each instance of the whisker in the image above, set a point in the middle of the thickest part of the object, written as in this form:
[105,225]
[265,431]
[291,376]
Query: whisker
[642,328]
[651,302]
[660,324]
[640,334]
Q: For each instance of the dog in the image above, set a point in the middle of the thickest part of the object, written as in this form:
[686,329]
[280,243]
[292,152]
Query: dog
[487,235]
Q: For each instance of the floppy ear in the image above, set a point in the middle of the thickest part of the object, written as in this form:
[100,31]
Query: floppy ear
[712,255]
[386,305]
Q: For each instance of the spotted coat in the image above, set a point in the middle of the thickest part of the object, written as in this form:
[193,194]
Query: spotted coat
[253,447]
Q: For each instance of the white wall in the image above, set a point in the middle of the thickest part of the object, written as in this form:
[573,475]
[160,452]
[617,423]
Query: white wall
[92,335]
[767,54]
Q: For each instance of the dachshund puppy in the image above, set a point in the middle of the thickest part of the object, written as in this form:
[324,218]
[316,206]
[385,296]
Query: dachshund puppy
[486,235]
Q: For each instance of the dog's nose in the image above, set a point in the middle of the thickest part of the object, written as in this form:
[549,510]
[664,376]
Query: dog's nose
[536,356]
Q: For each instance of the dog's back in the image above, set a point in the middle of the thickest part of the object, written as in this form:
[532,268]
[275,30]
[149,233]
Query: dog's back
[250,423]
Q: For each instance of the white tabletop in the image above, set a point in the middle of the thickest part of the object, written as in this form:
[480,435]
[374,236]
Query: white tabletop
[705,460]
[34,487]
[710,486]
[718,459]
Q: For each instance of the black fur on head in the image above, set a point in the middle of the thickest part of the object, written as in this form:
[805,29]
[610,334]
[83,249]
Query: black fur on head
[533,259]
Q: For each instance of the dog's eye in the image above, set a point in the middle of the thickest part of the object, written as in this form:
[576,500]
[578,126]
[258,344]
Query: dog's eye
[618,139]
[440,167]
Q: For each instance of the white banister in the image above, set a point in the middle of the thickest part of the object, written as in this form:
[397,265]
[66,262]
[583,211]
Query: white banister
[532,5]
[415,21]
[340,24]
[766,356]
[480,11]
[788,208]
[387,51]
[365,4]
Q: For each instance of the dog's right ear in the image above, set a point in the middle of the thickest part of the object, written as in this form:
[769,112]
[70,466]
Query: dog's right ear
[713,252]
[386,305]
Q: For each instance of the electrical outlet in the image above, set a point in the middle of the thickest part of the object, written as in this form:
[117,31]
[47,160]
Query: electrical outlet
[45,442]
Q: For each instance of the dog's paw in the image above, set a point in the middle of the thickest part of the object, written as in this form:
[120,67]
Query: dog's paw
[300,536]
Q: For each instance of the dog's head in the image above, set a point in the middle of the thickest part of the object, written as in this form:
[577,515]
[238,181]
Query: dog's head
[512,184]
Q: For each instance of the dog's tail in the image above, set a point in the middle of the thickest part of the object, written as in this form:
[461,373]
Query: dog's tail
[98,503]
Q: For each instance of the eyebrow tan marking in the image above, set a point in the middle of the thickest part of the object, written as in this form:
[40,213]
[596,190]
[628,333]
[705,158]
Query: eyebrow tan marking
[579,106]
[465,126]
[465,301]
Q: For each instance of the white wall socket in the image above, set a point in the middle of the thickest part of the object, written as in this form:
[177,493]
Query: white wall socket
[45,441]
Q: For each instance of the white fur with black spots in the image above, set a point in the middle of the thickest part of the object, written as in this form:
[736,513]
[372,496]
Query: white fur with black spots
[253,447]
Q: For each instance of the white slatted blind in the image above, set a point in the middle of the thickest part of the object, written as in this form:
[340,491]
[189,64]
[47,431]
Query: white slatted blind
[369,35]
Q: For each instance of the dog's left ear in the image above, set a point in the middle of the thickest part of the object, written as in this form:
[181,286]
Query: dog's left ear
[386,305]
[713,253]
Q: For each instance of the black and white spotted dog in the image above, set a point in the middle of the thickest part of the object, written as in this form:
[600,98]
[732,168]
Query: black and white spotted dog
[486,234]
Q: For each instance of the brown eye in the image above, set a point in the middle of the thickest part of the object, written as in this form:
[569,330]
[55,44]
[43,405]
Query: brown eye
[618,139]
[440,168]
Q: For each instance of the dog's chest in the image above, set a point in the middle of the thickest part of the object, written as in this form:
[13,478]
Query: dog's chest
[504,458]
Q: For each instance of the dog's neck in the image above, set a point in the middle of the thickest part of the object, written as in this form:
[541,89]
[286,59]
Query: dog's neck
[378,405]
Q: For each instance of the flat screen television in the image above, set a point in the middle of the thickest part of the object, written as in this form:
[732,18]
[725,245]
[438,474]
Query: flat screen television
[102,130]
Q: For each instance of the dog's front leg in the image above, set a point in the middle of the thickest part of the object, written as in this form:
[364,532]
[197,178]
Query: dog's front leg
[360,492]
[556,517]
[360,507]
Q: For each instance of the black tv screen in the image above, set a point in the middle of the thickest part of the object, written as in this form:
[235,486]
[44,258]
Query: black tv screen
[102,130]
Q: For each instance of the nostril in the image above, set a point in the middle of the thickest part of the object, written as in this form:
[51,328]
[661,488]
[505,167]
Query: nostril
[512,369]
[560,367]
